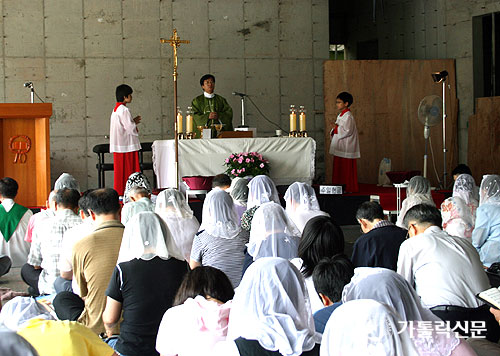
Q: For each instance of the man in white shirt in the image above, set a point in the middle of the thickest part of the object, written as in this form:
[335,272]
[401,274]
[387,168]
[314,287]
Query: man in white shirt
[46,247]
[14,220]
[445,270]
[65,281]
[140,201]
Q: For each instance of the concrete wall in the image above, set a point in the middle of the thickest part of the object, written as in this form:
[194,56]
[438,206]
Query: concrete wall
[424,29]
[77,51]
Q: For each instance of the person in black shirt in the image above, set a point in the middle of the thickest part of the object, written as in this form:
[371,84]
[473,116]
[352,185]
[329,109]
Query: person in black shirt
[143,285]
[379,245]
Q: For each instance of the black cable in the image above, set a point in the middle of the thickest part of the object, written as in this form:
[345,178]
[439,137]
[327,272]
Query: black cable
[38,96]
[264,116]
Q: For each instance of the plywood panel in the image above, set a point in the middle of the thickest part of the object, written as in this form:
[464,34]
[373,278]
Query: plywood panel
[386,98]
[484,138]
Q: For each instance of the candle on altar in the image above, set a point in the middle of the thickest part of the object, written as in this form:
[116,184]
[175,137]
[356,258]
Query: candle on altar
[302,119]
[189,120]
[179,121]
[293,118]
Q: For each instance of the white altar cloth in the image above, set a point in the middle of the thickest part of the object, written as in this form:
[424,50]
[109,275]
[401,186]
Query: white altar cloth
[291,159]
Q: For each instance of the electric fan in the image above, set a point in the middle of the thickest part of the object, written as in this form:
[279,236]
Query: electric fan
[429,114]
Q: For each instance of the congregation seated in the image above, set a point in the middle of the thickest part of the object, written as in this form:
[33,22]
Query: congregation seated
[94,259]
[239,192]
[459,210]
[261,189]
[63,338]
[140,200]
[142,286]
[444,270]
[366,327]
[38,218]
[221,181]
[330,276]
[302,204]
[14,220]
[321,238]
[42,268]
[272,234]
[379,244]
[486,234]
[389,288]
[65,281]
[182,225]
[200,312]
[137,179]
[221,243]
[269,313]
[417,192]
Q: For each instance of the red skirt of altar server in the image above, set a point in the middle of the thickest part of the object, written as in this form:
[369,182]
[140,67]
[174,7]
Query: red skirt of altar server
[345,171]
[124,165]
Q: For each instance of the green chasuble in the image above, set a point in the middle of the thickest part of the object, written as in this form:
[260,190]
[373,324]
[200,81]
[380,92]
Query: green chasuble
[10,220]
[203,106]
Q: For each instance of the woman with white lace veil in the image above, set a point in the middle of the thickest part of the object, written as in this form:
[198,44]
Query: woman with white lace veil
[486,234]
[221,241]
[418,192]
[239,192]
[261,189]
[302,204]
[273,234]
[182,225]
[390,288]
[66,180]
[366,327]
[143,284]
[270,313]
[459,211]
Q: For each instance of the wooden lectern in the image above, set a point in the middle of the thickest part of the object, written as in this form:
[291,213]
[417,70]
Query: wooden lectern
[25,150]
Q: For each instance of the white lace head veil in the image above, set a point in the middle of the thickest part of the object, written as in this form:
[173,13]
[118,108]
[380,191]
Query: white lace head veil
[419,185]
[145,237]
[261,189]
[219,217]
[465,188]
[300,197]
[239,190]
[271,305]
[273,234]
[490,189]
[182,225]
[136,179]
[388,287]
[66,180]
[171,203]
[366,327]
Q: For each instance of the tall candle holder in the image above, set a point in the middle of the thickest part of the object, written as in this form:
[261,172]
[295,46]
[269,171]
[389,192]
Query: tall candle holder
[190,135]
[180,130]
[302,122]
[293,122]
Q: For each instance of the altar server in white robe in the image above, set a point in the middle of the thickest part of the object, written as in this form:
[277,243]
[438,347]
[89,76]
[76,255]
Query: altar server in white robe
[14,220]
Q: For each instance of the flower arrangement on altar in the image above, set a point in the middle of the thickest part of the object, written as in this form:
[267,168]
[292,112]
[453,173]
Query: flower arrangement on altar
[246,164]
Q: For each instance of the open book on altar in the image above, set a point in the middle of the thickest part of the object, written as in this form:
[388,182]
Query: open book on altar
[491,297]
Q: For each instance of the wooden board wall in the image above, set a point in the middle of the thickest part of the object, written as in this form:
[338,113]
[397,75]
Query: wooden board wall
[484,138]
[386,98]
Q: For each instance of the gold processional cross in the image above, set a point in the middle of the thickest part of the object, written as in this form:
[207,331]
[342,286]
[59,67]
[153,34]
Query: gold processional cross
[175,41]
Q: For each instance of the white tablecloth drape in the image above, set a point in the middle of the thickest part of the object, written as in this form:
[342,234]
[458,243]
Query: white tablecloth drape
[291,158]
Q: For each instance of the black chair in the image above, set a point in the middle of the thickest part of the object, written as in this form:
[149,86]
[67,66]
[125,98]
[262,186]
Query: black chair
[146,166]
[102,166]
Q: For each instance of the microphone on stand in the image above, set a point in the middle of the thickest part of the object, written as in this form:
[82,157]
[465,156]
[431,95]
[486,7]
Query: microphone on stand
[28,84]
[239,94]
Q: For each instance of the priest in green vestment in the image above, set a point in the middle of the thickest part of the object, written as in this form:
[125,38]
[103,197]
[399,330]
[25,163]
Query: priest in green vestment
[211,106]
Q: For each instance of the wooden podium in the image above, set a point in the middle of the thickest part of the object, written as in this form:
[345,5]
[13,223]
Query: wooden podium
[25,150]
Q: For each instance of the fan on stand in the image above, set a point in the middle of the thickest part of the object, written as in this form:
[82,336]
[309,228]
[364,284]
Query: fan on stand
[429,114]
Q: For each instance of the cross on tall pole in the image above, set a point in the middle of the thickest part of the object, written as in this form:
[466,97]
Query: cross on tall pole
[175,41]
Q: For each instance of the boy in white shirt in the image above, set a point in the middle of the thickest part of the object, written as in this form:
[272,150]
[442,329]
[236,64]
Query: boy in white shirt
[124,138]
